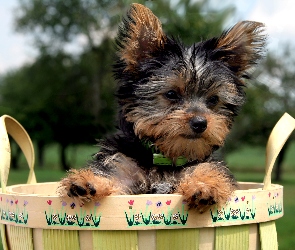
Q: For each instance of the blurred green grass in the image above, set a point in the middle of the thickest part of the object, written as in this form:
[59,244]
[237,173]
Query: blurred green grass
[247,164]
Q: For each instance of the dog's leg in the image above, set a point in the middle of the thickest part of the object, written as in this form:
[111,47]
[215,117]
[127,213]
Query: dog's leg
[118,175]
[207,184]
[83,185]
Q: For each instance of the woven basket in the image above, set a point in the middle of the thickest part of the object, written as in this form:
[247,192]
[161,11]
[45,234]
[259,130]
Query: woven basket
[34,217]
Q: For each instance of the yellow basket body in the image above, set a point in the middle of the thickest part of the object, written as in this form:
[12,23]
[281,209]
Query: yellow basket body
[34,213]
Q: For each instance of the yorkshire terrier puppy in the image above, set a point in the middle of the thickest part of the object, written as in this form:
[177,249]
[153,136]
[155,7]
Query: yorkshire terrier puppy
[176,107]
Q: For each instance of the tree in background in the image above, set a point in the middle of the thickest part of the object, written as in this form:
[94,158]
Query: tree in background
[268,97]
[281,79]
[50,98]
[67,97]
[55,24]
[191,20]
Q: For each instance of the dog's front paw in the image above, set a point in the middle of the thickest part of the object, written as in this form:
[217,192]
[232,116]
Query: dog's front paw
[207,184]
[201,200]
[83,185]
[83,190]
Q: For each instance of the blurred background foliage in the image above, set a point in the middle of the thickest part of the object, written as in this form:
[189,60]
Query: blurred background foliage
[66,96]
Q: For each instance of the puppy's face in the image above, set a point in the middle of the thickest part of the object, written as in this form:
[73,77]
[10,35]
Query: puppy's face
[183,99]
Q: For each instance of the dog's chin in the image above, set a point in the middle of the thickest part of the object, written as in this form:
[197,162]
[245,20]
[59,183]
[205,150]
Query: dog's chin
[191,136]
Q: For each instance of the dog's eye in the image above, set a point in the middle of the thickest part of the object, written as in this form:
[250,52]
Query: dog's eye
[172,95]
[212,101]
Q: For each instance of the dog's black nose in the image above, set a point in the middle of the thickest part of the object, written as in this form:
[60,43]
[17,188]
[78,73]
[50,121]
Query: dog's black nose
[198,124]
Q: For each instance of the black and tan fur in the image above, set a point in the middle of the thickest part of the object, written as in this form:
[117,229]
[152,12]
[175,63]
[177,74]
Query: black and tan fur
[182,100]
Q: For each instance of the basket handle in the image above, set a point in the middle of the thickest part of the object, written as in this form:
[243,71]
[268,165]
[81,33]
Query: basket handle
[9,125]
[279,135]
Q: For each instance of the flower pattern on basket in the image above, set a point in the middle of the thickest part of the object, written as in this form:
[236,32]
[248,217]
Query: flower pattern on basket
[14,211]
[149,212]
[243,208]
[275,205]
[238,208]
[81,219]
[166,215]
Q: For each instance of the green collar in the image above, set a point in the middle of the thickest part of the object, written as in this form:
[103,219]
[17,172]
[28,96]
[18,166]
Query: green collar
[160,160]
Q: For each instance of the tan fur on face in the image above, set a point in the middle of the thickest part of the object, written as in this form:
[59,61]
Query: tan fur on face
[143,36]
[169,134]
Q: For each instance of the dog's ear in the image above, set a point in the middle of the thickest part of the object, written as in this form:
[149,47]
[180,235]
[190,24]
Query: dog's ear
[139,36]
[240,47]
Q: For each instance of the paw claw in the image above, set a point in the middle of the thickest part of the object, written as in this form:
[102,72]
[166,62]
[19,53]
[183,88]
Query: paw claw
[92,190]
[86,193]
[209,201]
[77,190]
